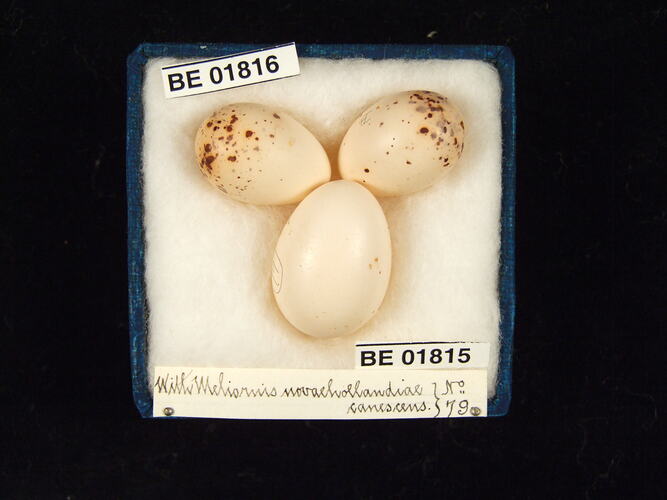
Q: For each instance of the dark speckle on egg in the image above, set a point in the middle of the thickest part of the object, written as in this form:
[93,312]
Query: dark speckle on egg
[423,112]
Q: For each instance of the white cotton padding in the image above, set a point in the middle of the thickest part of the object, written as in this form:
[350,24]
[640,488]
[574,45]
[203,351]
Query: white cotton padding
[208,258]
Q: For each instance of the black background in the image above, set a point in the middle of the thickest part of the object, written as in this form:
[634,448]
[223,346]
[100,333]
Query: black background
[589,398]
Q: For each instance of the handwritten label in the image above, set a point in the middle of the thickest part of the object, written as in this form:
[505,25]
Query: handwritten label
[318,394]
[236,70]
[420,355]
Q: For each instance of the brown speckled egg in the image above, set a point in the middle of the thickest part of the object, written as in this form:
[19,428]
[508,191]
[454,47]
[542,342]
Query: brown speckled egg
[403,143]
[259,155]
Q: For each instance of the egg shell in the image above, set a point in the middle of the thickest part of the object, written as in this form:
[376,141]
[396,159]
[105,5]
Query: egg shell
[256,154]
[332,262]
[403,143]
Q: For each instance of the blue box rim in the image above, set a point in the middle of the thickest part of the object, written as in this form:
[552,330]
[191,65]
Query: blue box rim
[500,56]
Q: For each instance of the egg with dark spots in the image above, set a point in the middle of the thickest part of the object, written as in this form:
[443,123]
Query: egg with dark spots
[263,157]
[405,136]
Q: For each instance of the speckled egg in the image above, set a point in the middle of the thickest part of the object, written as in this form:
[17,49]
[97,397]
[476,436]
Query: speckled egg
[403,143]
[256,154]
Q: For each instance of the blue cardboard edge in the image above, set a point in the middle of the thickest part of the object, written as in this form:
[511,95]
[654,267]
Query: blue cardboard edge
[135,233]
[501,57]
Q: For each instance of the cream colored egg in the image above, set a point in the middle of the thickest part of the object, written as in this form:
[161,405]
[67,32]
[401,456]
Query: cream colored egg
[403,143]
[332,263]
[259,155]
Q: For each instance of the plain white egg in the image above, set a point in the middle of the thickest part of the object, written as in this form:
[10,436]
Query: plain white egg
[332,263]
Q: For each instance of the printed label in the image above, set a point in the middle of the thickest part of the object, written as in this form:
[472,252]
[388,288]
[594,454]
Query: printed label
[231,71]
[318,394]
[420,355]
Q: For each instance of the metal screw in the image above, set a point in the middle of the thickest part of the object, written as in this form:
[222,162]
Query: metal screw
[168,411]
[474,411]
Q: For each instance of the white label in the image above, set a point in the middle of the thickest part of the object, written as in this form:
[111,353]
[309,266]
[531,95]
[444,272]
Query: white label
[231,71]
[420,355]
[318,394]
